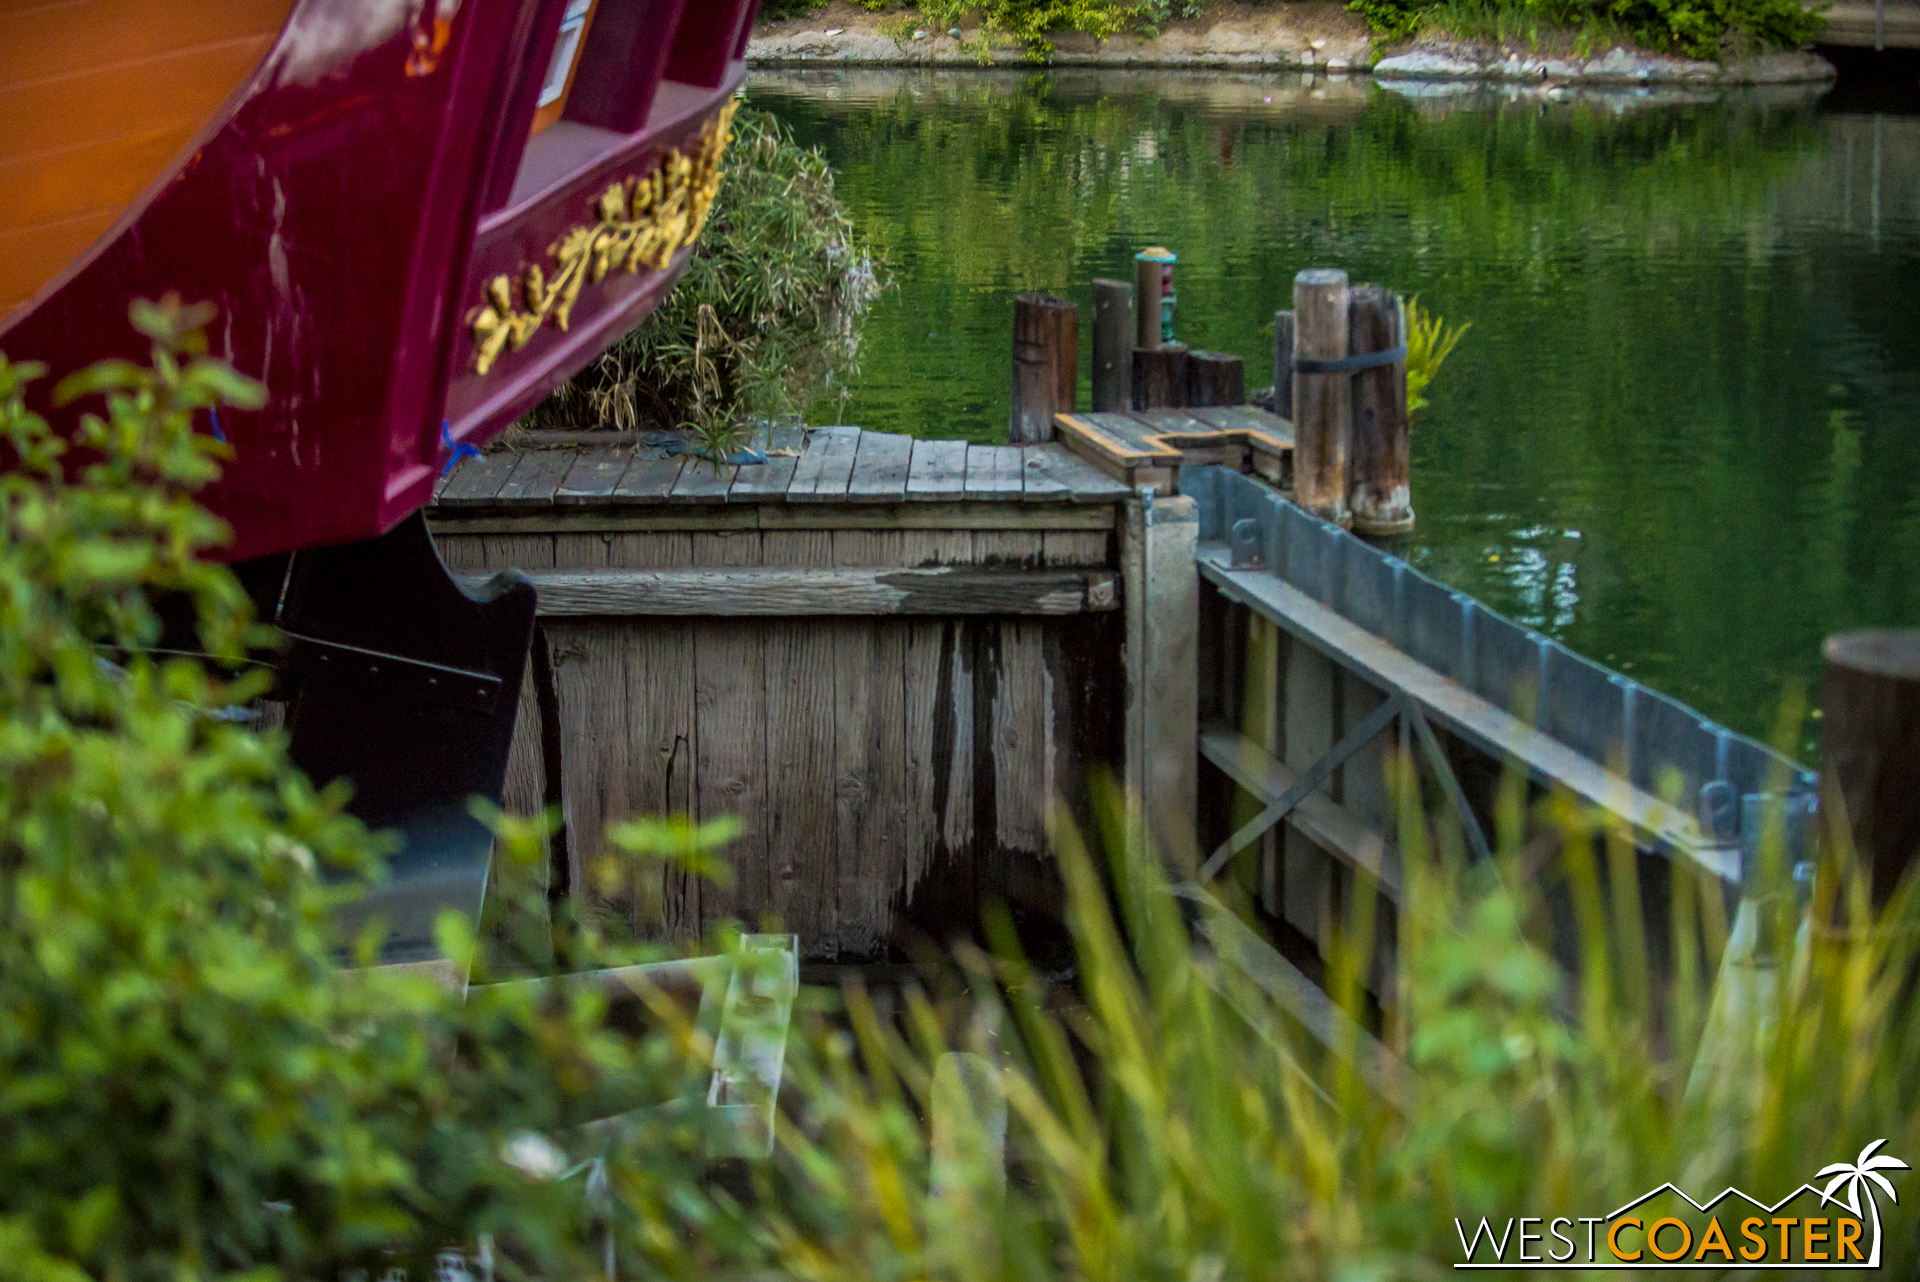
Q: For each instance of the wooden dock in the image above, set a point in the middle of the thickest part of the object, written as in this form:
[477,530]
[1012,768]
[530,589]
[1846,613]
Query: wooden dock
[887,656]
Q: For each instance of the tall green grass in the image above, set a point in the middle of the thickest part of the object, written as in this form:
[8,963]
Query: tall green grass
[1169,1119]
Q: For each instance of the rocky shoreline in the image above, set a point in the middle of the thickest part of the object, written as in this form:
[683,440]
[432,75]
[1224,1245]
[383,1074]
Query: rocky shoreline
[1304,37]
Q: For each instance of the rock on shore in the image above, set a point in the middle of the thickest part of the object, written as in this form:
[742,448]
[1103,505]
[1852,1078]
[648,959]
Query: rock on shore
[1301,37]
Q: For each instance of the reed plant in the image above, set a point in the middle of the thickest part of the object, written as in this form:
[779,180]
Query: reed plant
[1168,1118]
[766,320]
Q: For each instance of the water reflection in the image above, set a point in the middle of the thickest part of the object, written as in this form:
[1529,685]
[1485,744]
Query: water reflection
[1681,435]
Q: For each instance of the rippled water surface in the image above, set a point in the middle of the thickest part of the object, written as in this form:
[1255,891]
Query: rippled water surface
[1683,434]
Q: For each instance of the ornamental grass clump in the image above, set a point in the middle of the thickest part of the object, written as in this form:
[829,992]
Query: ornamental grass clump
[766,320]
[1168,1118]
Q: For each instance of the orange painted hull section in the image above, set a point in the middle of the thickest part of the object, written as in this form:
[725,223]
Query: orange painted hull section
[97,100]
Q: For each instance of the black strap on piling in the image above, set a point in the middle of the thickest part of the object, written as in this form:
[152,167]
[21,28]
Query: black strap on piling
[1351,364]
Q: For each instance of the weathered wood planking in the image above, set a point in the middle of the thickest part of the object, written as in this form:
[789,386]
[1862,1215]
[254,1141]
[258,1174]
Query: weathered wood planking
[730,700]
[995,471]
[886,656]
[825,465]
[476,481]
[804,851]
[880,467]
[593,476]
[659,695]
[869,753]
[744,593]
[938,471]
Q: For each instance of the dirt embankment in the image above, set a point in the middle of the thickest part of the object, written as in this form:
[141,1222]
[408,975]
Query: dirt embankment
[1321,37]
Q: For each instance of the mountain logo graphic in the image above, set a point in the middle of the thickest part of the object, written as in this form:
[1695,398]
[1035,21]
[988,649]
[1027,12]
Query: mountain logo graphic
[1767,1240]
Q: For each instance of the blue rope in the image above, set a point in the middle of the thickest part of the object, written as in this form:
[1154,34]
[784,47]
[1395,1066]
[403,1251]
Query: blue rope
[213,412]
[460,448]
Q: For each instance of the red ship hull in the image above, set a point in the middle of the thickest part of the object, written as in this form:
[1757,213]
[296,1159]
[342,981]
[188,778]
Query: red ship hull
[396,253]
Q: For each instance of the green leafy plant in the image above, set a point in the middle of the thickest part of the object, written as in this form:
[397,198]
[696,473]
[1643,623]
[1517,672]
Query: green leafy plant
[1429,342]
[1030,23]
[766,319]
[1717,30]
[195,1087]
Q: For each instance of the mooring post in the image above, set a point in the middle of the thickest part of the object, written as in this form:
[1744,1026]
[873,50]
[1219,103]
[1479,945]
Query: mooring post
[1160,540]
[1113,333]
[1380,494]
[1870,753]
[1216,378]
[1153,296]
[1046,365]
[1160,377]
[1322,402]
[1283,364]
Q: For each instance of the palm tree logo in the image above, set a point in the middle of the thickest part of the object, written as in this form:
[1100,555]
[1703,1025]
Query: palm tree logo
[1855,1175]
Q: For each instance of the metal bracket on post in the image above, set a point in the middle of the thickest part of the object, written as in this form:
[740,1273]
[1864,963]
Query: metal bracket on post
[1244,543]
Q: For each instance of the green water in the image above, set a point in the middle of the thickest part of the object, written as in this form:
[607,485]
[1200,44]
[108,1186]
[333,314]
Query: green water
[1683,435]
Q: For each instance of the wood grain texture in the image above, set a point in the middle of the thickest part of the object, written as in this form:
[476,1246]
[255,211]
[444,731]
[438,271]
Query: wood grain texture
[803,852]
[825,466]
[659,699]
[1046,365]
[870,748]
[1113,336]
[1379,478]
[593,476]
[1008,547]
[1020,752]
[537,479]
[938,725]
[1054,473]
[478,480]
[649,479]
[780,593]
[763,481]
[880,468]
[730,696]
[703,482]
[624,516]
[1059,548]
[938,471]
[1322,403]
[994,471]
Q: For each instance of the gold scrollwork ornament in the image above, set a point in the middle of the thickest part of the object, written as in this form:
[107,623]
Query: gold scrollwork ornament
[643,222]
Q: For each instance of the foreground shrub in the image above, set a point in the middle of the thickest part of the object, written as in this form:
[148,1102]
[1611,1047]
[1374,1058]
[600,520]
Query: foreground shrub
[190,1084]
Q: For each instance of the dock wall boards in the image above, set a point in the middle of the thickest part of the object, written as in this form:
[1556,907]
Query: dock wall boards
[889,695]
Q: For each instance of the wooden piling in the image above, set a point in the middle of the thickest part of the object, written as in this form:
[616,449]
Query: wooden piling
[1160,377]
[1379,493]
[1322,403]
[1216,378]
[1046,365]
[1149,278]
[1113,334]
[1283,364]
[1870,758]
